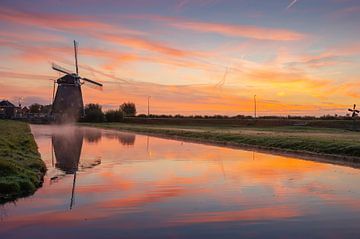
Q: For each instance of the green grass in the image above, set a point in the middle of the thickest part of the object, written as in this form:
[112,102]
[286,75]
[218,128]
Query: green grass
[21,167]
[324,141]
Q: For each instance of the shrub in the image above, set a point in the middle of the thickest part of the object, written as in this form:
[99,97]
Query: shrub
[93,113]
[35,108]
[114,116]
[128,108]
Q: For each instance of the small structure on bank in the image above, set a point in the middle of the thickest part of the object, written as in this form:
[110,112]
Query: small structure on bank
[354,111]
[354,115]
[7,110]
[68,103]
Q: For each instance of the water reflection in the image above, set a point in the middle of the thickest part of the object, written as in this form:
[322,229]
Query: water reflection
[67,148]
[92,135]
[67,144]
[126,139]
[148,187]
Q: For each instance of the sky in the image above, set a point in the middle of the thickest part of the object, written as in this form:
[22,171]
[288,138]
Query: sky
[192,57]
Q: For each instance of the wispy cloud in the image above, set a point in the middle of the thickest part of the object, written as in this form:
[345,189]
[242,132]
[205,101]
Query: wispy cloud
[62,22]
[180,4]
[144,44]
[232,30]
[291,4]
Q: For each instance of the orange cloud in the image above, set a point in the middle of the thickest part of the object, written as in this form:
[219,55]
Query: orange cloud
[320,61]
[279,76]
[143,44]
[18,75]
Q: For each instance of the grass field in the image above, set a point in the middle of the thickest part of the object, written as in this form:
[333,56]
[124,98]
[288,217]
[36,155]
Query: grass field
[320,141]
[21,168]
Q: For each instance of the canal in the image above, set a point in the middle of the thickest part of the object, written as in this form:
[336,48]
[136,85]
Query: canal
[110,184]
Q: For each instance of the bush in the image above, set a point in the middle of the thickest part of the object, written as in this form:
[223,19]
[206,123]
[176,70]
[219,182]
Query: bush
[128,108]
[93,113]
[35,108]
[114,116]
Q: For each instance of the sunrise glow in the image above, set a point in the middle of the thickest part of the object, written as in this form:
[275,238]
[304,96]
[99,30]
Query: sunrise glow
[191,57]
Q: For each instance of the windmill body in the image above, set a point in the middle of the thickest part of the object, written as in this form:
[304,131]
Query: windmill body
[68,103]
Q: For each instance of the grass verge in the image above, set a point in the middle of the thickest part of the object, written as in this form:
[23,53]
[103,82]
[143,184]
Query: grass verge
[295,139]
[21,167]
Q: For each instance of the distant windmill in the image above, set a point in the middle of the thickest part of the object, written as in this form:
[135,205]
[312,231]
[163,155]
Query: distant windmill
[354,115]
[354,111]
[68,103]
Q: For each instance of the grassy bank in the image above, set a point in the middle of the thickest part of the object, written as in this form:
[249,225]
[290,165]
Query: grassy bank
[21,168]
[299,139]
[261,122]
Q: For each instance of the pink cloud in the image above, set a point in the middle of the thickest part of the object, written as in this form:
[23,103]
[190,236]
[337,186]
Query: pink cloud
[62,22]
[232,30]
[241,31]
[138,43]
[98,30]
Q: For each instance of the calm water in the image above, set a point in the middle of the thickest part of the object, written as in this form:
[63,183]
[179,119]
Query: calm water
[108,184]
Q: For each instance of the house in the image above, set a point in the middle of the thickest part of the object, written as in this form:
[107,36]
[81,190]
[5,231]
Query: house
[7,109]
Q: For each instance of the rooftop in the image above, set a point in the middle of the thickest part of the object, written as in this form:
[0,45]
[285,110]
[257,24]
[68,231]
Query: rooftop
[6,104]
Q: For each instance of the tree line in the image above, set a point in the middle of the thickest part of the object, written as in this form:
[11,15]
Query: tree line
[294,117]
[94,113]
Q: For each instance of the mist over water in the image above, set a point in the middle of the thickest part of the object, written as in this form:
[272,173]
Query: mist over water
[110,184]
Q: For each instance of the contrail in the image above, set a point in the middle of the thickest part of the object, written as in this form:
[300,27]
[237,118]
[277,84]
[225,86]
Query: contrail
[223,80]
[291,4]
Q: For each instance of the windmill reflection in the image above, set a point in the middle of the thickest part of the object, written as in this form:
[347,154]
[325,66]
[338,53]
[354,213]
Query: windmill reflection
[67,148]
[67,144]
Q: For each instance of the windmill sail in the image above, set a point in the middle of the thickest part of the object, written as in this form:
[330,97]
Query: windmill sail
[76,57]
[60,69]
[93,82]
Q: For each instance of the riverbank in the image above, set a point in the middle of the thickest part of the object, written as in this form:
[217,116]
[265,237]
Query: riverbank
[335,144]
[21,167]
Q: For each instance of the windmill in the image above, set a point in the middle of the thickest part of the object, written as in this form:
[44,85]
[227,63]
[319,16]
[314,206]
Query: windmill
[68,103]
[354,111]
[354,115]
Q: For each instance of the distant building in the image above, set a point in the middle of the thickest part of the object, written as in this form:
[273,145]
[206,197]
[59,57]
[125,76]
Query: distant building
[25,110]
[7,109]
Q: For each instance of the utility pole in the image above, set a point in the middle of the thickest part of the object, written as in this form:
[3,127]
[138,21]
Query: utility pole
[149,105]
[53,97]
[254,106]
[53,93]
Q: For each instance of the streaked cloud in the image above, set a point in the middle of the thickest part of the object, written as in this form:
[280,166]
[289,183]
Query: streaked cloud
[291,4]
[61,22]
[233,30]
